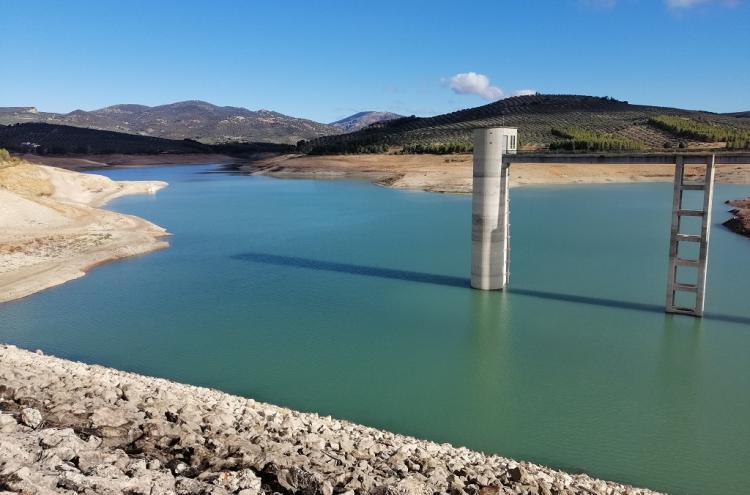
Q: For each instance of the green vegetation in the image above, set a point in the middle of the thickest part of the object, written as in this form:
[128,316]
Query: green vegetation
[576,139]
[6,160]
[619,125]
[702,131]
[344,148]
[51,139]
[437,148]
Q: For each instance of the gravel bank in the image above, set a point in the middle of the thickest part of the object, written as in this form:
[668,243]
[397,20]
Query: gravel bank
[67,427]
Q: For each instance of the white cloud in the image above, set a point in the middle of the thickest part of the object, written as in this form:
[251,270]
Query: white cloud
[471,83]
[686,4]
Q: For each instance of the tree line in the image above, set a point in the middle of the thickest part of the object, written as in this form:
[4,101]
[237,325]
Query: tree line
[342,148]
[577,139]
[437,148]
[702,131]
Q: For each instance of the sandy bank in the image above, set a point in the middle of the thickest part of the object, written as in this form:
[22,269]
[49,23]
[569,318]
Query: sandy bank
[52,232]
[452,173]
[68,427]
[436,173]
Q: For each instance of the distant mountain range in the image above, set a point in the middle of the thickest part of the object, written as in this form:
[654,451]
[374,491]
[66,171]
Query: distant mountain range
[363,119]
[195,120]
[556,122]
[541,121]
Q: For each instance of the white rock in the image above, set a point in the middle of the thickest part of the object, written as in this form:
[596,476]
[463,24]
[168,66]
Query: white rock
[226,441]
[8,423]
[31,417]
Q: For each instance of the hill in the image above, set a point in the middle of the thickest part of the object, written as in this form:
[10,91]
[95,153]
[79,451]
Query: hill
[195,120]
[44,139]
[361,120]
[544,122]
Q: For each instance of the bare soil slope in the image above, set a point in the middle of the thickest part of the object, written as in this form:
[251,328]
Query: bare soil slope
[452,173]
[52,232]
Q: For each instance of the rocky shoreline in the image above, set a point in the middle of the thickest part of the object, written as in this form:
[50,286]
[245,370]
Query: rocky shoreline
[68,427]
[740,221]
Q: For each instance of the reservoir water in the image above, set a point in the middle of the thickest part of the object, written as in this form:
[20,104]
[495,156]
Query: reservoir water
[349,299]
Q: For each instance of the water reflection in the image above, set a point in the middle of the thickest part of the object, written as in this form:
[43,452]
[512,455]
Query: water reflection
[452,281]
[489,331]
[368,271]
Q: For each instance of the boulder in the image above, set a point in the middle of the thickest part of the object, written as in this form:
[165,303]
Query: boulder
[298,480]
[31,417]
[8,423]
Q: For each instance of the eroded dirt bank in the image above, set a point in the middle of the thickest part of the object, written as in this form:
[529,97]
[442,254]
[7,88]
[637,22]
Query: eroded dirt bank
[436,173]
[68,427]
[52,232]
[452,173]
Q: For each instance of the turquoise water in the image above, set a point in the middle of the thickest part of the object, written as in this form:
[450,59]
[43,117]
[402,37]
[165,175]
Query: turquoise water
[351,300]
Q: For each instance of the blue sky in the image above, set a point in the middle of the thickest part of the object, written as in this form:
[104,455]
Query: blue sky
[327,59]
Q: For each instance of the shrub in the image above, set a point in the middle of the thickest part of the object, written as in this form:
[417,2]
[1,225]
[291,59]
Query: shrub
[437,148]
[344,148]
[739,143]
[702,131]
[4,155]
[576,139]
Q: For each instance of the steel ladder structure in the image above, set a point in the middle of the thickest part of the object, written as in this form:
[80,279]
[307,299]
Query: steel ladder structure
[679,261]
[679,212]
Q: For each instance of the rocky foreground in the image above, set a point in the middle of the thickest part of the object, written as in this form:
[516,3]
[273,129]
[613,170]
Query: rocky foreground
[68,427]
